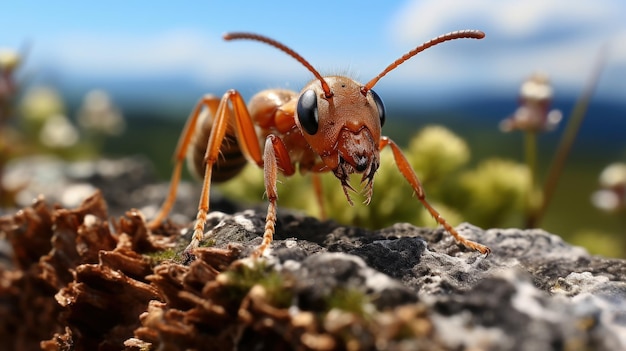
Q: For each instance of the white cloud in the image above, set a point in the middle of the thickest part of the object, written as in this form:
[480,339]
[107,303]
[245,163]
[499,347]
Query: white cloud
[185,52]
[559,37]
[510,19]
[121,54]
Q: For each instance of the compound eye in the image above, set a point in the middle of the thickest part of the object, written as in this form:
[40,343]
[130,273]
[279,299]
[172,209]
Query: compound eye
[307,112]
[380,106]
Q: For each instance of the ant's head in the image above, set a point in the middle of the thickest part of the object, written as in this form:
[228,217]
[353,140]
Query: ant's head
[343,129]
[341,119]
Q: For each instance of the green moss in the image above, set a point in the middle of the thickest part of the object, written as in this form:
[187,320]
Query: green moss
[210,242]
[350,300]
[238,281]
[161,256]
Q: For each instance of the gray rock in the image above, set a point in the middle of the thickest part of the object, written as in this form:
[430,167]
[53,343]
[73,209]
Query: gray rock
[534,292]
[125,183]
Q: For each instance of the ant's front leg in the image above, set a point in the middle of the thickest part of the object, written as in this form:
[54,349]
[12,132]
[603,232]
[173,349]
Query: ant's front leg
[408,173]
[276,158]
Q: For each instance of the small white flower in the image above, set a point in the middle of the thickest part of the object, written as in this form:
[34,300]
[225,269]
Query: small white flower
[612,195]
[58,132]
[98,113]
[534,113]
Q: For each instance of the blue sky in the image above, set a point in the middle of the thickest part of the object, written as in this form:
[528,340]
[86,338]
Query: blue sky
[93,41]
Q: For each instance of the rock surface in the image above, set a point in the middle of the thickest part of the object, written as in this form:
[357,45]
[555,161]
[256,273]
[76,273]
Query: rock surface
[76,279]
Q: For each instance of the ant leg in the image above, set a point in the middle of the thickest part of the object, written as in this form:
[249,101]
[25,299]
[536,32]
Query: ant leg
[405,168]
[275,157]
[210,103]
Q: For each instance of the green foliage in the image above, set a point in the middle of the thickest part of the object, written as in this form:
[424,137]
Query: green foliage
[599,242]
[494,190]
[436,152]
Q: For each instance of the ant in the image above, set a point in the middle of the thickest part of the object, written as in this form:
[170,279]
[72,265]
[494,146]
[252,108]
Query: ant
[333,124]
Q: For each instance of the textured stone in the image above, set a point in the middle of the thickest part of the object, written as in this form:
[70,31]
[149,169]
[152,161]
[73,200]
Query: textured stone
[534,292]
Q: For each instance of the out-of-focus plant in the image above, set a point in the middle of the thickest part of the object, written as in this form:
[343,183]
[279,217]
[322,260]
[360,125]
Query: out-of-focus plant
[494,191]
[576,119]
[9,63]
[436,152]
[39,103]
[534,115]
[99,118]
[611,197]
[45,124]
[38,123]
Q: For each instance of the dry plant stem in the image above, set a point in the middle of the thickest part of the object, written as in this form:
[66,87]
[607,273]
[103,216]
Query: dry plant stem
[2,162]
[622,216]
[571,131]
[530,146]
[5,198]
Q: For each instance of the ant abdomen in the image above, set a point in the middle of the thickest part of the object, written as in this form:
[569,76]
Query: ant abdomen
[231,161]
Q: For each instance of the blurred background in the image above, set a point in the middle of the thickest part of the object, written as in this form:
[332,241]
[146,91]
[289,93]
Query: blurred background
[150,62]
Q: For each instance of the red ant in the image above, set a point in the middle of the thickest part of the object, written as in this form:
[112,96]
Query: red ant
[333,124]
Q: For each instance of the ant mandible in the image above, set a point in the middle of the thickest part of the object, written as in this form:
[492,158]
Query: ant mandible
[333,124]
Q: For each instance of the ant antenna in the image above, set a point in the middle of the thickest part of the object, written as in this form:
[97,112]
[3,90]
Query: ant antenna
[460,34]
[284,48]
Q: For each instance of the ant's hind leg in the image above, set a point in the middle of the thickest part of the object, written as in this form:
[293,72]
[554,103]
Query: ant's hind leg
[210,102]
